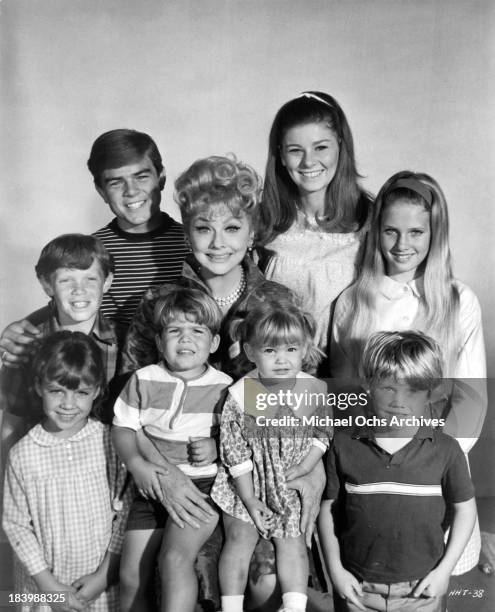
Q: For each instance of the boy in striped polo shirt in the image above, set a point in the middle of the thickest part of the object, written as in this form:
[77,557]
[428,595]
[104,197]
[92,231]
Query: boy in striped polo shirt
[176,404]
[388,485]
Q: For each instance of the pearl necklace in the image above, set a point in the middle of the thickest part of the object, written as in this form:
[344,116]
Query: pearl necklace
[228,300]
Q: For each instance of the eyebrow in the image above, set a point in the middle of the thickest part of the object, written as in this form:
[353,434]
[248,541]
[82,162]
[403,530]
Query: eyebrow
[315,142]
[116,178]
[206,220]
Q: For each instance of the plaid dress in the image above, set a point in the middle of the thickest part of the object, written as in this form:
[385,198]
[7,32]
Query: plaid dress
[64,508]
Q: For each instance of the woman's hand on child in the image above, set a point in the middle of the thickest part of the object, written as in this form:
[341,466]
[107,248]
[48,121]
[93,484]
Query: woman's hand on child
[435,584]
[310,489]
[15,340]
[145,476]
[347,586]
[183,501]
[202,451]
[261,515]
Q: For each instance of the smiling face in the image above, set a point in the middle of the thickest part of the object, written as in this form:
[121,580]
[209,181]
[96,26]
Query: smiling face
[66,410]
[77,294]
[310,153]
[277,361]
[219,239]
[404,239]
[133,193]
[185,346]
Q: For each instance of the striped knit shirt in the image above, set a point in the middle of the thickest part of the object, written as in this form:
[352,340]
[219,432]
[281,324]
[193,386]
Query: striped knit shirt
[391,507]
[141,261]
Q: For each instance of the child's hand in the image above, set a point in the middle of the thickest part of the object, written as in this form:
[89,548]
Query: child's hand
[145,476]
[71,604]
[347,586]
[295,471]
[260,513]
[202,451]
[90,586]
[434,584]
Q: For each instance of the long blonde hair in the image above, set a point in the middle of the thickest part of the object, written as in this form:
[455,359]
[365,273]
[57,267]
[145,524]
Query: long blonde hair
[439,307]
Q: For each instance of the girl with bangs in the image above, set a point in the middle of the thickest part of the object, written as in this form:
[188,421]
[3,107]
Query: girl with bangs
[314,211]
[64,510]
[264,444]
[407,283]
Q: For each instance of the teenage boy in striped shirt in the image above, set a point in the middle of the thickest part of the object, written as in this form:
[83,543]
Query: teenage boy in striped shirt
[147,245]
[388,485]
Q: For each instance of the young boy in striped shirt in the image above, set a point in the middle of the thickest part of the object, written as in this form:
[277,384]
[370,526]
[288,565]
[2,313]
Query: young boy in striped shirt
[388,485]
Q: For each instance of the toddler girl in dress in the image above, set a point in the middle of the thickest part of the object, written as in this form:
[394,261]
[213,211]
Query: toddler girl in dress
[264,444]
[63,506]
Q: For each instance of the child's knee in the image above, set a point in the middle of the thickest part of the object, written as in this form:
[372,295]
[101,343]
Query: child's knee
[173,558]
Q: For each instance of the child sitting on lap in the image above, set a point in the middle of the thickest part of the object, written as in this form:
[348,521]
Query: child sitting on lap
[392,482]
[177,403]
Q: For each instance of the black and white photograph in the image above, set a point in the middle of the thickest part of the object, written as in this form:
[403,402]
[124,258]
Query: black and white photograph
[247,306]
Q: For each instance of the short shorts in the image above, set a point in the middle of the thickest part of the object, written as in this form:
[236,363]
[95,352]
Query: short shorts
[151,514]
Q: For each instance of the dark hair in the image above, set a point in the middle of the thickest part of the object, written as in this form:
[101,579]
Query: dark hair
[347,204]
[192,303]
[121,147]
[77,251]
[69,358]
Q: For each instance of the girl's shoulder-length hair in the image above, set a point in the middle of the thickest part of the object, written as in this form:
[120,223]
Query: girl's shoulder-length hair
[346,203]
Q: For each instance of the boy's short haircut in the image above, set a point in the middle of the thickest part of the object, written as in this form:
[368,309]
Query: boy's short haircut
[122,147]
[189,302]
[76,251]
[408,356]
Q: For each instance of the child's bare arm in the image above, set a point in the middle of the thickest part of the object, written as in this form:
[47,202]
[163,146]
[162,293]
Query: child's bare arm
[145,473]
[258,511]
[346,585]
[307,464]
[437,581]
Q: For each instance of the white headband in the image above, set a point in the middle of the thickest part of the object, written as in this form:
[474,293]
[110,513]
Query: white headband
[307,94]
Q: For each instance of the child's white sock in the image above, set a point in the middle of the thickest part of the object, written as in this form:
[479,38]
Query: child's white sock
[295,602]
[232,603]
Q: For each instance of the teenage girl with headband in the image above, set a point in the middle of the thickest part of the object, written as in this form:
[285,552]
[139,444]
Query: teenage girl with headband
[313,207]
